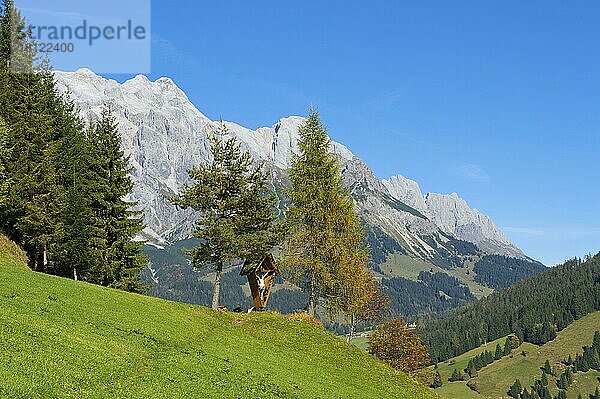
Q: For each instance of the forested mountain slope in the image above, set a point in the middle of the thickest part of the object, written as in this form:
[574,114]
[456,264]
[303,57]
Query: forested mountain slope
[534,309]
[525,363]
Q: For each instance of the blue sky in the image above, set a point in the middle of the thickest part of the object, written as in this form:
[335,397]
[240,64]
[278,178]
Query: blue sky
[497,101]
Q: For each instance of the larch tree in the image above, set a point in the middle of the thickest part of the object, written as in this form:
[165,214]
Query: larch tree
[235,209]
[354,286]
[378,307]
[324,245]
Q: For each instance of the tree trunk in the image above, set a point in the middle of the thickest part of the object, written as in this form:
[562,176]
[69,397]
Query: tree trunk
[217,288]
[352,327]
[311,297]
[75,274]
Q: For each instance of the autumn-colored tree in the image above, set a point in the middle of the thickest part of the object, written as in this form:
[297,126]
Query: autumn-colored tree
[372,304]
[352,290]
[398,345]
[324,245]
[377,309]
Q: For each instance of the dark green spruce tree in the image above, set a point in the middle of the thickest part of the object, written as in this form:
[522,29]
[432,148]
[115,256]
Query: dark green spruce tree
[120,258]
[498,353]
[456,376]
[546,368]
[30,107]
[235,209]
[515,389]
[79,234]
[437,380]
[4,153]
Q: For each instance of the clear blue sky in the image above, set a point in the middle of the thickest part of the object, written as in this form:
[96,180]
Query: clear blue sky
[497,101]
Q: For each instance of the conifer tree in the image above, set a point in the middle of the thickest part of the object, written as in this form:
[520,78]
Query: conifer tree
[471,370]
[4,153]
[235,210]
[515,389]
[455,376]
[353,288]
[544,380]
[498,353]
[80,234]
[29,106]
[507,347]
[324,245]
[569,376]
[437,380]
[120,256]
[547,368]
[569,361]
[377,309]
[17,53]
[545,393]
[562,382]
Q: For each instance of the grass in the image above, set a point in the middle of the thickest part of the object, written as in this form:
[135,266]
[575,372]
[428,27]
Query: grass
[11,254]
[457,390]
[460,362]
[361,342]
[66,339]
[494,380]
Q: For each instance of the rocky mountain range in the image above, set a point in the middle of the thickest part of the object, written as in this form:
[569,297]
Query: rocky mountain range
[165,135]
[431,252]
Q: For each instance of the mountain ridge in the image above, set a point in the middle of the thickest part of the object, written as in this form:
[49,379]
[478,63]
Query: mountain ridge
[165,135]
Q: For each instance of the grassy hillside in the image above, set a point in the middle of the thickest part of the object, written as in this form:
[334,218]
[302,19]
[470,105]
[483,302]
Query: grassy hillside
[60,338]
[11,254]
[494,380]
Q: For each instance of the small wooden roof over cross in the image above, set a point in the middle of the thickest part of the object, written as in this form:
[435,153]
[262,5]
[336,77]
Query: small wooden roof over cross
[266,264]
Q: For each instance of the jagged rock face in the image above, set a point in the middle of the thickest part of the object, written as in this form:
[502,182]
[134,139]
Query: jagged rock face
[452,215]
[407,191]
[165,135]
